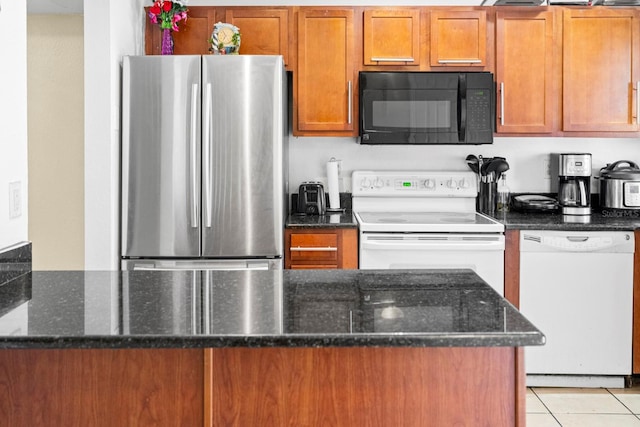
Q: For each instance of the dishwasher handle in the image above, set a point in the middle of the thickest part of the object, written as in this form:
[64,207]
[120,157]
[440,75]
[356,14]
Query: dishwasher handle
[577,241]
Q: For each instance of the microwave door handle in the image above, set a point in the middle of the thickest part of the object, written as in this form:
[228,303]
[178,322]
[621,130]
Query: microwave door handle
[462,105]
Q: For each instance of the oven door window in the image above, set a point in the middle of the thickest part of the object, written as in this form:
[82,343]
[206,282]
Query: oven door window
[413,111]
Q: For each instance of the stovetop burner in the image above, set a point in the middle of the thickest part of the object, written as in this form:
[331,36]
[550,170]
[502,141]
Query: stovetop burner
[427,222]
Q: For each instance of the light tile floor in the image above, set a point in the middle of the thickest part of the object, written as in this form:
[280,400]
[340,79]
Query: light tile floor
[583,407]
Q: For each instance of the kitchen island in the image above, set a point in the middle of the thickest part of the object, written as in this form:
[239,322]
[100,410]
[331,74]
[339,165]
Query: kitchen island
[421,347]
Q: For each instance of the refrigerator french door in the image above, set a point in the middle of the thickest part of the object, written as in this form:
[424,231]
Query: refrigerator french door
[203,164]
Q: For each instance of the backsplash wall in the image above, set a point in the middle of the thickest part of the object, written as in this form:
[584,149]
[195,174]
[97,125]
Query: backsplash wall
[526,157]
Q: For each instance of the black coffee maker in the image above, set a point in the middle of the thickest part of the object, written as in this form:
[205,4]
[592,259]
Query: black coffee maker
[574,185]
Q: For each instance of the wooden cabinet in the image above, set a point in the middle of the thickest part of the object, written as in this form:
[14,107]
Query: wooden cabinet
[324,84]
[526,78]
[458,38]
[601,70]
[264,31]
[391,37]
[321,248]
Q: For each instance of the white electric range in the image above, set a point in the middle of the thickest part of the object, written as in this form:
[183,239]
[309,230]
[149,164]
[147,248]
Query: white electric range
[426,219]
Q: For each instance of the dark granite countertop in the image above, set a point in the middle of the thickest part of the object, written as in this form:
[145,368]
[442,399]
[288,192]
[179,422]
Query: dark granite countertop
[330,220]
[314,308]
[598,221]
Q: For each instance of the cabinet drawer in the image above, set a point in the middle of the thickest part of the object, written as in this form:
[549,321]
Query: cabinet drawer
[314,247]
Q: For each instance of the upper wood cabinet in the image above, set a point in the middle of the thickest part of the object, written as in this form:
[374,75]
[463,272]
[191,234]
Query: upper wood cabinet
[458,38]
[264,31]
[391,37]
[600,70]
[324,85]
[525,72]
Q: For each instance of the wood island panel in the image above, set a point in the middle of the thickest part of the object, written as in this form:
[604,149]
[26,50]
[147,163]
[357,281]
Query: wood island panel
[372,386]
[101,387]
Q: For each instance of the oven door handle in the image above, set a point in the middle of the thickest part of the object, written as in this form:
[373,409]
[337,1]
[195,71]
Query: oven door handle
[486,244]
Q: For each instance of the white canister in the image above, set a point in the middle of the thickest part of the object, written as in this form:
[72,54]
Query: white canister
[334,168]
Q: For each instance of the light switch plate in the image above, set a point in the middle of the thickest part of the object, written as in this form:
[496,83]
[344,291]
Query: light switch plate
[15,199]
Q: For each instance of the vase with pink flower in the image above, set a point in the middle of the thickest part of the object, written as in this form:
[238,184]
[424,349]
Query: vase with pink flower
[168,14]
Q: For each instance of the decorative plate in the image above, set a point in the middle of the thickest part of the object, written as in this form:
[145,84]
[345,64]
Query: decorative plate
[225,39]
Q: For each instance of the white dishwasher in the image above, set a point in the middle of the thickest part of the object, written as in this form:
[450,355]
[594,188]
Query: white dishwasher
[577,288]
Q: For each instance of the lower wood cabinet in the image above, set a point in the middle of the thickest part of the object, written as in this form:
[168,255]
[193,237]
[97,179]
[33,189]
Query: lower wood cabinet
[321,248]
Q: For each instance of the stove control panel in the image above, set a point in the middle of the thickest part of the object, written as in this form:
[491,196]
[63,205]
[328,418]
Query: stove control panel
[414,184]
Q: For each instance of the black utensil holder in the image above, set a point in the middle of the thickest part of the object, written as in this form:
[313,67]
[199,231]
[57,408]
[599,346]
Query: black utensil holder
[487,197]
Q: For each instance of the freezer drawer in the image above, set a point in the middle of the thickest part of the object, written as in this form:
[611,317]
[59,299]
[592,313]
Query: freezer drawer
[202,264]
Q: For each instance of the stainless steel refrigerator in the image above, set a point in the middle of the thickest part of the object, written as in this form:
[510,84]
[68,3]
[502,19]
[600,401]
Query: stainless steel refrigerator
[204,149]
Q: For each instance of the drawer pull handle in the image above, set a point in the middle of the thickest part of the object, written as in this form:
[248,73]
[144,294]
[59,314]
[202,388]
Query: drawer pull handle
[377,59]
[459,61]
[318,249]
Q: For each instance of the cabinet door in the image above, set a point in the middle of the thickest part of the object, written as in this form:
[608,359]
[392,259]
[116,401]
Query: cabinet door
[525,74]
[392,37]
[325,81]
[600,70]
[458,38]
[191,39]
[264,31]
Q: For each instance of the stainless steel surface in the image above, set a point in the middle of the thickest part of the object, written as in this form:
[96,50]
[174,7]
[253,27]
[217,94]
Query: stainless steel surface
[195,205]
[247,156]
[574,164]
[377,59]
[200,264]
[620,185]
[156,171]
[234,158]
[459,61]
[574,181]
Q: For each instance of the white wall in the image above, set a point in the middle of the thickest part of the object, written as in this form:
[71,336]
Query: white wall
[13,118]
[112,29]
[308,157]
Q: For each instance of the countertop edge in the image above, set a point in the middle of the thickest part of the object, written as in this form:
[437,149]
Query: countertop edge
[319,341]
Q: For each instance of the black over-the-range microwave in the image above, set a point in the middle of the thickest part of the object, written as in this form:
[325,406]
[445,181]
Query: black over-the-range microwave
[427,107]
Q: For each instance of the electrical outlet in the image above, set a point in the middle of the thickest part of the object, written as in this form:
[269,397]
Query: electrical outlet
[546,169]
[322,180]
[15,199]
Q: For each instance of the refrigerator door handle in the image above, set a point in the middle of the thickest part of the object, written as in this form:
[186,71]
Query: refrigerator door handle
[194,155]
[207,156]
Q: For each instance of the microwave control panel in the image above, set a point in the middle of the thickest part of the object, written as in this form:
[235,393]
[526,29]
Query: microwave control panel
[478,103]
